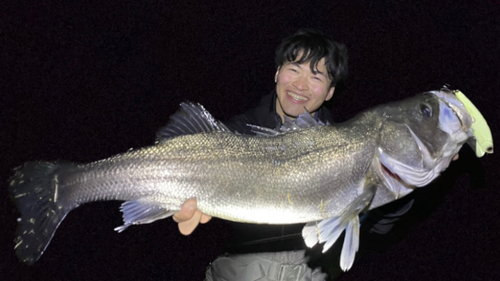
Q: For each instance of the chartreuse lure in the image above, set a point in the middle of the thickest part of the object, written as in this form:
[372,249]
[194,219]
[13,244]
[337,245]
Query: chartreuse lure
[482,141]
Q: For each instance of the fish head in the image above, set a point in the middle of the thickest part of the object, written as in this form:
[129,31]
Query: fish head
[420,136]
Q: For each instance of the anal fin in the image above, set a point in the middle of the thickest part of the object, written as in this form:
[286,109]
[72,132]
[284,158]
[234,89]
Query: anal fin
[141,212]
[329,230]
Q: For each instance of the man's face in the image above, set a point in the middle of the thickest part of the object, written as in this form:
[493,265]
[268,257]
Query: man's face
[299,89]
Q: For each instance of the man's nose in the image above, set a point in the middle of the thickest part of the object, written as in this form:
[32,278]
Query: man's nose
[301,83]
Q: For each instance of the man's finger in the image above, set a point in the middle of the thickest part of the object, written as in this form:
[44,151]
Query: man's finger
[187,227]
[187,211]
[205,218]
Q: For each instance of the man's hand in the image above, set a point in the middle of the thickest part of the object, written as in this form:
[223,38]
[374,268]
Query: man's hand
[189,217]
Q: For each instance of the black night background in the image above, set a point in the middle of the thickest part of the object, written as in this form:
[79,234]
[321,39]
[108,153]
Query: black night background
[84,80]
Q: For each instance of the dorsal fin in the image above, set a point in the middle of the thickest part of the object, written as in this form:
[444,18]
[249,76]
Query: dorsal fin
[191,118]
[304,120]
[263,131]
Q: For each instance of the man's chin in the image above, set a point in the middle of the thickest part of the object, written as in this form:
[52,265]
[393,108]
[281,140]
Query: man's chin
[293,115]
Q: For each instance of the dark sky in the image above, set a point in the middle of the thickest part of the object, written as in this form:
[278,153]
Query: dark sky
[84,80]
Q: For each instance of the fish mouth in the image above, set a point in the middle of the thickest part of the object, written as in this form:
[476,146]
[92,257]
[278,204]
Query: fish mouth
[473,122]
[450,101]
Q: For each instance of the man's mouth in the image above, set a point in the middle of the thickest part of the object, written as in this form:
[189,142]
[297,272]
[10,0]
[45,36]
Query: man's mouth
[296,97]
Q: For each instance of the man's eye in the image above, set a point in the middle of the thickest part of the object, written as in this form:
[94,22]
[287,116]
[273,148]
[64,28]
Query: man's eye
[317,78]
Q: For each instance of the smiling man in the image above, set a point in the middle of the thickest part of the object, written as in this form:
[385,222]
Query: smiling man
[309,66]
[301,88]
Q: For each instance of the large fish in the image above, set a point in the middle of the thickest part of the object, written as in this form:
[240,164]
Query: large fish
[323,175]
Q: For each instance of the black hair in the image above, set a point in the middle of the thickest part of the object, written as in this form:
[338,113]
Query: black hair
[313,45]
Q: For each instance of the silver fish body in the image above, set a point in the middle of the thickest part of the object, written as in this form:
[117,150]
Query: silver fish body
[273,180]
[329,173]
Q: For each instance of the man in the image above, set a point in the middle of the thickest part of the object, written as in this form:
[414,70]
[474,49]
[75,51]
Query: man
[309,66]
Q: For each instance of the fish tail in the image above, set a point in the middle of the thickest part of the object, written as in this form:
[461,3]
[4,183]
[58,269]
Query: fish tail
[34,187]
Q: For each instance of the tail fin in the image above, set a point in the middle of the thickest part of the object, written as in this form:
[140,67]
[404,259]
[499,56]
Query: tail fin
[34,188]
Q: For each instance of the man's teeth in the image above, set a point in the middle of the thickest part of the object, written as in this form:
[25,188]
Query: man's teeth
[297,97]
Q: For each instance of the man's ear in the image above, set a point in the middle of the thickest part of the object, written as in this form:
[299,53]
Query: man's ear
[276,75]
[330,93]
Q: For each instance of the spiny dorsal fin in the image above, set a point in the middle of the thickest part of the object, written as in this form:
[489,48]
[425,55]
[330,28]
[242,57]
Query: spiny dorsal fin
[263,131]
[304,120]
[190,119]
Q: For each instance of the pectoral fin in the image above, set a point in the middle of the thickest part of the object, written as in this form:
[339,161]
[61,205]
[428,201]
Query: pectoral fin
[141,212]
[329,230]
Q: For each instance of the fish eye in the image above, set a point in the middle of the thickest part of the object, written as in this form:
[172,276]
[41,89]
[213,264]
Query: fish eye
[426,110]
